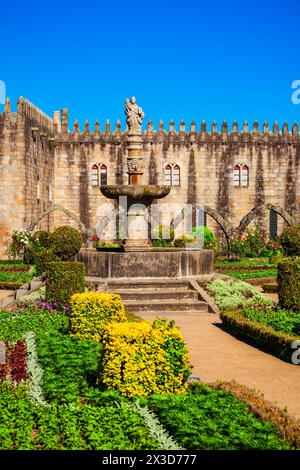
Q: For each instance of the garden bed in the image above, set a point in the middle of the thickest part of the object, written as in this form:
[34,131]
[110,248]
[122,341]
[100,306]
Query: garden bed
[80,415]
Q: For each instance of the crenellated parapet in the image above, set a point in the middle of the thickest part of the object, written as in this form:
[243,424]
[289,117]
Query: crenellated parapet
[190,135]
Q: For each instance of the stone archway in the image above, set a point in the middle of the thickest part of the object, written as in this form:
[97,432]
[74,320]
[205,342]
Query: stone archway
[58,207]
[248,218]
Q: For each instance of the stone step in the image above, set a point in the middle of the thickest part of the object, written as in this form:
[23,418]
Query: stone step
[169,314]
[149,294]
[183,305]
[149,284]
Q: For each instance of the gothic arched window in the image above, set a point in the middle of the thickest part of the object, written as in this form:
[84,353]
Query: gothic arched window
[95,175]
[245,176]
[237,176]
[168,175]
[103,175]
[172,175]
[176,176]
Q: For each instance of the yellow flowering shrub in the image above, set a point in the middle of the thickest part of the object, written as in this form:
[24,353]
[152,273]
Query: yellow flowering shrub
[143,358]
[90,311]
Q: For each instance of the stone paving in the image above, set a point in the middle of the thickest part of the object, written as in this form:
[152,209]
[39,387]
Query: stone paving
[216,354]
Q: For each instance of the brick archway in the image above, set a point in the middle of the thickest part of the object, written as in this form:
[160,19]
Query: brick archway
[58,207]
[248,218]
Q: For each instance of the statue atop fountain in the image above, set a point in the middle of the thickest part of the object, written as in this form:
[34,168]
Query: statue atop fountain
[135,116]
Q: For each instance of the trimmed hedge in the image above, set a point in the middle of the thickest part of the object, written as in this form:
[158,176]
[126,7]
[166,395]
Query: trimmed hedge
[289,284]
[91,311]
[63,279]
[12,261]
[10,285]
[270,288]
[276,342]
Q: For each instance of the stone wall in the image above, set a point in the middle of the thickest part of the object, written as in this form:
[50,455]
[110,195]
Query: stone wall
[206,161]
[26,169]
[43,163]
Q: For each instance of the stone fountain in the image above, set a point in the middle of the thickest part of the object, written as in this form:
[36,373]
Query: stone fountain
[139,196]
[140,259]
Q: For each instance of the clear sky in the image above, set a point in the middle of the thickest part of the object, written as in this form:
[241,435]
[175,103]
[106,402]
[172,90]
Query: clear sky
[183,59]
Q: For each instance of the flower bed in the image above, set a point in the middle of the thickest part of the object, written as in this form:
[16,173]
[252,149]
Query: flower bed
[206,419]
[16,275]
[14,368]
[60,405]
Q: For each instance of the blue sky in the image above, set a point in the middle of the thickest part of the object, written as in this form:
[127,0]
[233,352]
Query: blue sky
[181,59]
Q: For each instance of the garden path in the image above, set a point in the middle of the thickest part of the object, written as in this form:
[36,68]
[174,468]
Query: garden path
[4,293]
[217,355]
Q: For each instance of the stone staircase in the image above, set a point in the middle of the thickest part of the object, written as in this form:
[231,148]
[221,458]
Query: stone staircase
[161,296]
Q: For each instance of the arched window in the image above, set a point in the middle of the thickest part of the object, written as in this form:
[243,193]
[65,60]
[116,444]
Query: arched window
[95,175]
[103,175]
[172,175]
[168,175]
[245,176]
[176,176]
[237,176]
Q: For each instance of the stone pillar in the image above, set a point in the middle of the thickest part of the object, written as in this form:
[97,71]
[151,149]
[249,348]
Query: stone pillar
[135,159]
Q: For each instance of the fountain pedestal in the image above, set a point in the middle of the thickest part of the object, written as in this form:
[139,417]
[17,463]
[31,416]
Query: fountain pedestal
[139,196]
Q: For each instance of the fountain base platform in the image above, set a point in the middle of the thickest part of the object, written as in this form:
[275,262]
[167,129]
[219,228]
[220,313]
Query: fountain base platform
[152,263]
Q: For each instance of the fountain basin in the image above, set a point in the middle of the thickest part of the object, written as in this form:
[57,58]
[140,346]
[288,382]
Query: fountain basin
[148,264]
[136,192]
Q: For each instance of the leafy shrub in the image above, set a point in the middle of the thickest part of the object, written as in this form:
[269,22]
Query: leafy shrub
[63,279]
[289,284]
[65,242]
[278,319]
[143,358]
[252,244]
[184,240]
[69,365]
[42,237]
[91,311]
[290,240]
[210,242]
[20,239]
[25,426]
[277,342]
[163,236]
[207,419]
[236,294]
[14,326]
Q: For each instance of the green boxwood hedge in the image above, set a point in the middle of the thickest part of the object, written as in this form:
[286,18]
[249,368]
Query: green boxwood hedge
[63,279]
[289,284]
[276,342]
